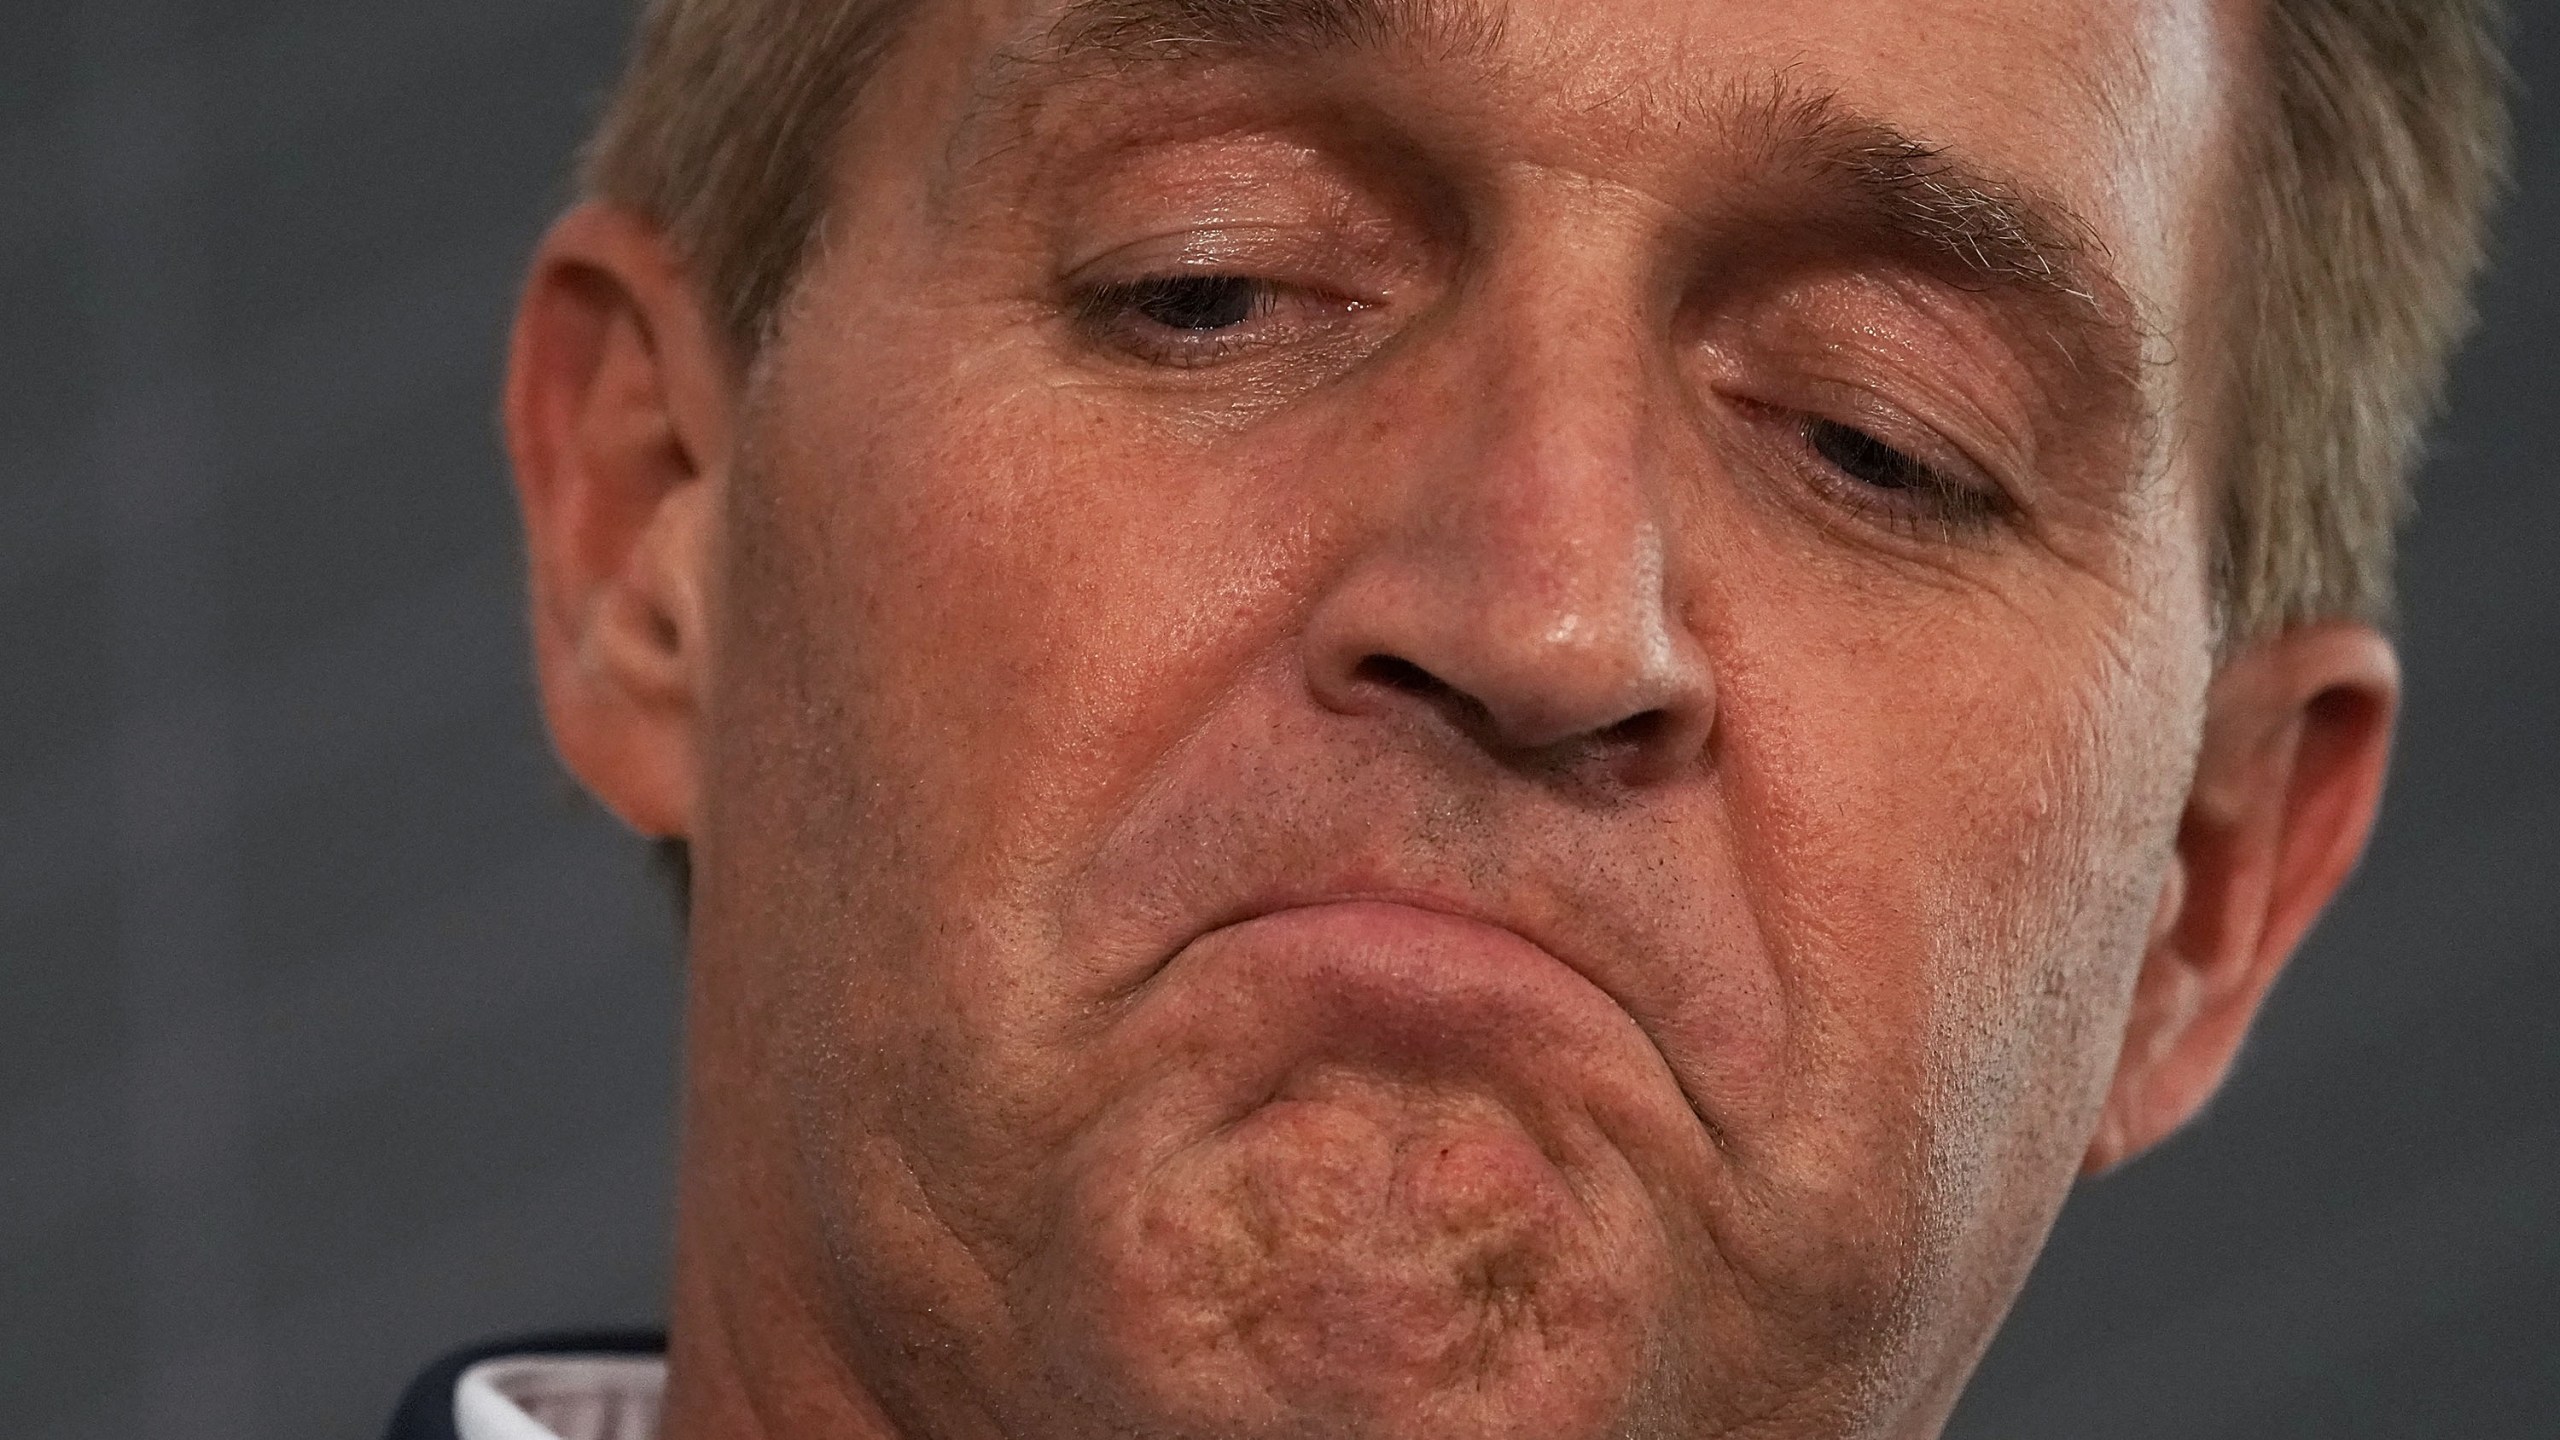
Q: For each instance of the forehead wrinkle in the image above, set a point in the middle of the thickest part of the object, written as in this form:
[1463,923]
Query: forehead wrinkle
[1122,36]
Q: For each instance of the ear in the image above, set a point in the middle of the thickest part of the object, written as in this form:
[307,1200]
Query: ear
[2297,737]
[619,413]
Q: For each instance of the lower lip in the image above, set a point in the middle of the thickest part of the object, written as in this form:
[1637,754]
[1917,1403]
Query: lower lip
[1396,985]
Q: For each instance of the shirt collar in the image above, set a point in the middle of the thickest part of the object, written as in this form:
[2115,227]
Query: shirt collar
[560,1397]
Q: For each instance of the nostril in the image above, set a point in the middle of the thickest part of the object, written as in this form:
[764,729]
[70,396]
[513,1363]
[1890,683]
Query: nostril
[1391,673]
[1521,731]
[1639,732]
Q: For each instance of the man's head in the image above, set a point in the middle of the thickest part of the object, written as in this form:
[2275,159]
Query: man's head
[1493,717]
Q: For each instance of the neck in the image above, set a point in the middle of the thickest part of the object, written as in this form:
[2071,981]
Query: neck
[749,1359]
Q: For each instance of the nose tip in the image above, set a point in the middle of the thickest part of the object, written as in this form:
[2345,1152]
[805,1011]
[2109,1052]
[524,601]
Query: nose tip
[1530,688]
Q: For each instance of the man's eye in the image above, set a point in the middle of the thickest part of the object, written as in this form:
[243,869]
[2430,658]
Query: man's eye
[1193,302]
[1188,317]
[1894,486]
[1868,460]
[1189,320]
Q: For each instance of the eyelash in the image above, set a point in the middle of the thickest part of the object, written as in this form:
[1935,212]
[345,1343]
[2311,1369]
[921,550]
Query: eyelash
[1896,488]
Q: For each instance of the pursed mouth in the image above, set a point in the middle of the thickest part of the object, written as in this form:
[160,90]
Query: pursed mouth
[1524,953]
[1406,985]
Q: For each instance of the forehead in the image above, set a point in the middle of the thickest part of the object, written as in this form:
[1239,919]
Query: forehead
[2115,109]
[2137,74]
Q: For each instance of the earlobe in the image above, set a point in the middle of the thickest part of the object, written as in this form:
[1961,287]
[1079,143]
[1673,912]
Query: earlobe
[618,414]
[2289,777]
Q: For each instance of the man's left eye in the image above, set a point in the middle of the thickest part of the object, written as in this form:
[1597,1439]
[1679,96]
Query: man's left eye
[1869,461]
[1890,484]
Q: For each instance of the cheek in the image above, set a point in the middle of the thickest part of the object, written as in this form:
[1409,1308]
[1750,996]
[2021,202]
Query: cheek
[959,635]
[2041,936]
[1950,836]
[1032,602]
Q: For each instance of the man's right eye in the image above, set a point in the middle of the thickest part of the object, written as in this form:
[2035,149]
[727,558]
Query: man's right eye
[1190,319]
[1192,302]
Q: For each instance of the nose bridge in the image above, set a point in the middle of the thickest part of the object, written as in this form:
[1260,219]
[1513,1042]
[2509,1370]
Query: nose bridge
[1552,497]
[1525,570]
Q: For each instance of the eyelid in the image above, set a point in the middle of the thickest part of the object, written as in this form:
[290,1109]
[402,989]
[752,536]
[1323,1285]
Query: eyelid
[1925,417]
[1106,315]
[1351,261]
[1947,458]
[1886,356]
[1971,503]
[1313,281]
[1946,505]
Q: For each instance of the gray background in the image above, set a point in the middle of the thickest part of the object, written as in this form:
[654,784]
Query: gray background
[333,1031]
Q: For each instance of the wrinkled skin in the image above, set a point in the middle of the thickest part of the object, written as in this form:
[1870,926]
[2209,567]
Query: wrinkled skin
[1401,842]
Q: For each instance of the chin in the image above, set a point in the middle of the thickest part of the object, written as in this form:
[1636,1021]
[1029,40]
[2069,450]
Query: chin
[1358,1257]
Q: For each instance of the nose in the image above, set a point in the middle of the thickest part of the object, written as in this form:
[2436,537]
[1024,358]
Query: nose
[1514,585]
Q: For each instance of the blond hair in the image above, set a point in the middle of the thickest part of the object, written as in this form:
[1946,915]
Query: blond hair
[2380,146]
[2381,149]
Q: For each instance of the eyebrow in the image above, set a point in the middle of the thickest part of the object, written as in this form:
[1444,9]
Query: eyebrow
[1866,178]
[1874,176]
[1139,30]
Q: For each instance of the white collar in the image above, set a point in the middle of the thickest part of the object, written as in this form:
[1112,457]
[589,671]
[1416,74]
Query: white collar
[560,1397]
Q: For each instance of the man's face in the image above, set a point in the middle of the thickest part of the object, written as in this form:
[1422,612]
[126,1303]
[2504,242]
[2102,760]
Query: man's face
[1457,721]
